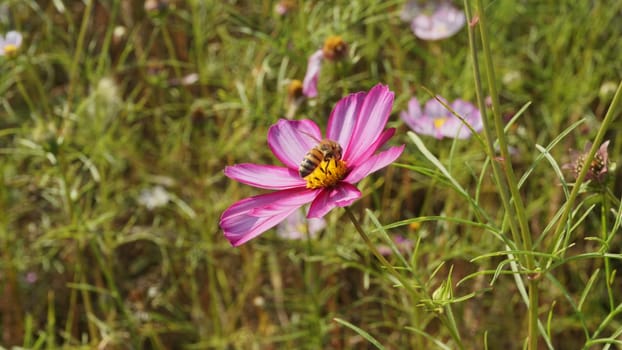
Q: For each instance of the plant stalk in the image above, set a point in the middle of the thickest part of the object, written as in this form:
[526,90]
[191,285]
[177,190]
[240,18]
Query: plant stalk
[448,322]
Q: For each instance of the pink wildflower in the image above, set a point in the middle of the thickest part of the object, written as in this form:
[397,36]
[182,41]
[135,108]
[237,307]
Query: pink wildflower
[433,20]
[356,123]
[435,120]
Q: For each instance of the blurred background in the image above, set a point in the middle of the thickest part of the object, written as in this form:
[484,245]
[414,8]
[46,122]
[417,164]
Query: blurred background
[117,118]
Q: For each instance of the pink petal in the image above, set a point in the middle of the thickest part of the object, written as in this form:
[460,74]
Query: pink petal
[253,216]
[410,10]
[290,140]
[342,195]
[265,176]
[384,137]
[423,125]
[371,149]
[414,108]
[370,122]
[454,127]
[374,163]
[413,116]
[314,65]
[342,119]
[434,109]
[470,113]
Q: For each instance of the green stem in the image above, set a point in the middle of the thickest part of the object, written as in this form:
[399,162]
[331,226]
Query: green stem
[496,171]
[563,223]
[104,53]
[374,250]
[310,276]
[42,99]
[447,319]
[523,242]
[503,145]
[75,63]
[603,325]
[533,313]
[50,336]
[26,97]
[605,247]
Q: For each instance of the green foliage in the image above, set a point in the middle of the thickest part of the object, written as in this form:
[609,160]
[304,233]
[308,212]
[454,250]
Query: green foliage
[116,124]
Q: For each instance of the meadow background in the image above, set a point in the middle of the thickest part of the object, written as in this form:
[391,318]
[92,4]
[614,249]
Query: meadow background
[108,100]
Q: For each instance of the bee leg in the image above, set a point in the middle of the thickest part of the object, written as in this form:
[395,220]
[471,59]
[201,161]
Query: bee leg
[323,169]
[327,164]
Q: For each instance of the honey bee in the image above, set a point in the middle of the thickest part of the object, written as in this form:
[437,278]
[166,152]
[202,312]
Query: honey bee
[325,150]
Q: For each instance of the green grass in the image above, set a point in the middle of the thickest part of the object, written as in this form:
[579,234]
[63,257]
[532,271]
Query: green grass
[89,119]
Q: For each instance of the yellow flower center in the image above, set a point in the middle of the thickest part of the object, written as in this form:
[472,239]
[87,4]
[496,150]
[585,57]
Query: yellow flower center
[439,122]
[414,226]
[10,49]
[294,89]
[334,47]
[327,174]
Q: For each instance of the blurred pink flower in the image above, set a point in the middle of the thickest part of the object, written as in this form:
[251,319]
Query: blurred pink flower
[334,48]
[10,43]
[433,20]
[31,277]
[283,7]
[435,120]
[356,123]
[297,226]
[403,245]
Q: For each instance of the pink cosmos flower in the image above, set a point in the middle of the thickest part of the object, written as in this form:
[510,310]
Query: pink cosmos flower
[433,20]
[435,120]
[356,123]
[10,43]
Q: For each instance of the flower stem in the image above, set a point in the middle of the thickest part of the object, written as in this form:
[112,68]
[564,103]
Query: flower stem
[377,254]
[512,183]
[448,321]
[532,310]
[496,171]
[563,223]
[605,241]
[514,206]
[75,64]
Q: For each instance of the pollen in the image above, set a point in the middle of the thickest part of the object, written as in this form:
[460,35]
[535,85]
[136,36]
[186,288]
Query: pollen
[439,122]
[294,89]
[334,48]
[10,49]
[327,174]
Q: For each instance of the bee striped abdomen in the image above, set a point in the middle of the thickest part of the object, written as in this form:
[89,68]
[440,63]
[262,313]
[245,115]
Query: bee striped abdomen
[322,152]
[310,162]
